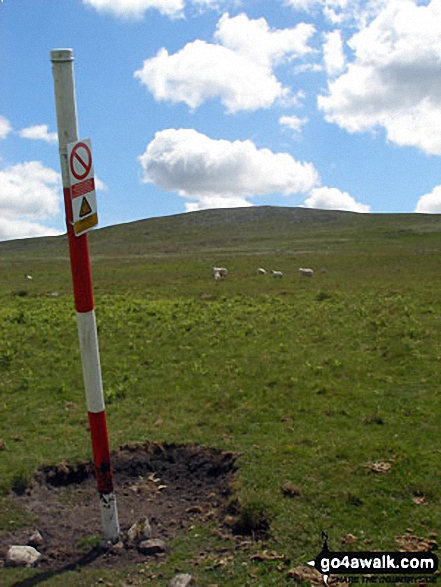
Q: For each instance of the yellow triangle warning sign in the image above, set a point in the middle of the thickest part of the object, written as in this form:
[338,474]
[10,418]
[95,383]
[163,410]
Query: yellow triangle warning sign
[85,208]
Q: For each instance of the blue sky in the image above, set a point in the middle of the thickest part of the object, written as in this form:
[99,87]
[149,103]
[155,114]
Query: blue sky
[194,104]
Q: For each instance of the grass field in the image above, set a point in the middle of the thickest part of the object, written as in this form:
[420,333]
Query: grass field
[313,381]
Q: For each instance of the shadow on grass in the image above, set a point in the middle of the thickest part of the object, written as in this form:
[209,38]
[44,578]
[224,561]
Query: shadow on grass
[85,560]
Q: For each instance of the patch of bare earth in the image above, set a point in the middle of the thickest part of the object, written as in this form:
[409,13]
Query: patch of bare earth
[173,486]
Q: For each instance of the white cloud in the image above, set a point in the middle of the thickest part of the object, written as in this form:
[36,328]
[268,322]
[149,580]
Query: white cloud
[306,5]
[28,192]
[430,203]
[5,127]
[339,12]
[255,40]
[238,70]
[333,53]
[209,202]
[220,173]
[293,122]
[29,189]
[201,71]
[209,4]
[137,8]
[16,229]
[40,133]
[327,198]
[394,80]
[100,185]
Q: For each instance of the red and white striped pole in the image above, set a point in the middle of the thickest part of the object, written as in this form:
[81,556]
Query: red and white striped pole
[62,69]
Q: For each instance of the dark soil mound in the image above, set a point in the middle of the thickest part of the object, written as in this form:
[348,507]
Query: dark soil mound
[172,486]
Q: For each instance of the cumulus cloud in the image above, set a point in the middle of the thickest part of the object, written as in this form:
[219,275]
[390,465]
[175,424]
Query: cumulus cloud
[302,4]
[17,229]
[5,127]
[100,185]
[209,4]
[215,201]
[29,189]
[220,173]
[393,81]
[238,68]
[39,133]
[137,8]
[293,122]
[333,53]
[201,71]
[326,198]
[255,40]
[430,203]
[339,12]
[29,192]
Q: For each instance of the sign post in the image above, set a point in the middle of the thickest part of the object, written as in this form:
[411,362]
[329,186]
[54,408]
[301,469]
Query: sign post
[80,207]
[82,184]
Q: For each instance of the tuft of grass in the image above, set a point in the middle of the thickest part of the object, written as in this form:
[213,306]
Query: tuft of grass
[323,296]
[20,483]
[21,293]
[253,518]
[90,542]
[112,395]
[6,357]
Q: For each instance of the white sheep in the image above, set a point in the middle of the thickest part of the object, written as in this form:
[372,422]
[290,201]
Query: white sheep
[306,272]
[29,277]
[277,274]
[223,272]
[261,271]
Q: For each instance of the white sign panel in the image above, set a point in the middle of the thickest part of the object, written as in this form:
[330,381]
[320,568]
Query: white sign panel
[82,184]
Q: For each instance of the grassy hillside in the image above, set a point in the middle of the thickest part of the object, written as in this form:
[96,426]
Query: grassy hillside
[262,229]
[152,254]
[329,383]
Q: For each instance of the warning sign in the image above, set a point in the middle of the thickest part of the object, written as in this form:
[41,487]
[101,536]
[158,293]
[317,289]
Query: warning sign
[85,208]
[82,183]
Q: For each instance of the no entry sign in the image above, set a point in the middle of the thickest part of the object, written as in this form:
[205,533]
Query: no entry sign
[80,160]
[82,184]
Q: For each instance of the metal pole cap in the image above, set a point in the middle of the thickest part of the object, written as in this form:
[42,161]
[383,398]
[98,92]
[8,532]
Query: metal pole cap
[60,55]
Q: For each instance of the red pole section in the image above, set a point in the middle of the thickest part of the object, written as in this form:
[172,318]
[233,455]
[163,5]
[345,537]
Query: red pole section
[80,261]
[62,69]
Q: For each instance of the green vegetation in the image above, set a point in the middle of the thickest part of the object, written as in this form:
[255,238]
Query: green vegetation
[90,542]
[311,380]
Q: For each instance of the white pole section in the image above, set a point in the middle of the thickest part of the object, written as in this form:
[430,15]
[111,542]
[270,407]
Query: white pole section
[62,69]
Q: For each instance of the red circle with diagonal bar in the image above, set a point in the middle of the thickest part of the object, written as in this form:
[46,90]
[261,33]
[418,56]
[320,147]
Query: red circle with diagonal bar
[80,161]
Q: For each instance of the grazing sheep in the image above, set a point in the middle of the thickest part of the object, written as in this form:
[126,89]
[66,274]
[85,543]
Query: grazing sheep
[221,270]
[261,271]
[277,274]
[29,277]
[306,272]
[217,276]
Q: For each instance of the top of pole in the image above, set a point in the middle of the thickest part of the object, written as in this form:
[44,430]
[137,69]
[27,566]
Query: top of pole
[62,55]
[62,68]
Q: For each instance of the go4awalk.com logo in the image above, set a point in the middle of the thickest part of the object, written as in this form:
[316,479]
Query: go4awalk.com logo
[404,564]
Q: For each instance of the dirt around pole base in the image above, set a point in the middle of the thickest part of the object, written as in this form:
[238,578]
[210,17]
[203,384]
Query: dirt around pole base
[173,486]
